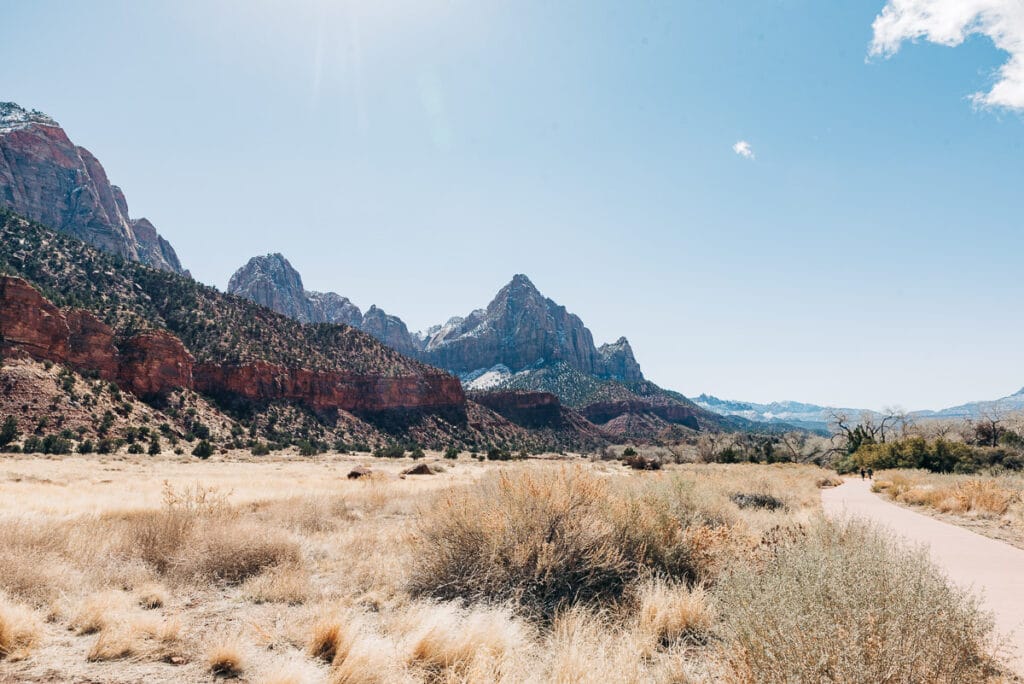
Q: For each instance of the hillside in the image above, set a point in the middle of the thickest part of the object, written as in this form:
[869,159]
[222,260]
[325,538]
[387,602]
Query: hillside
[156,332]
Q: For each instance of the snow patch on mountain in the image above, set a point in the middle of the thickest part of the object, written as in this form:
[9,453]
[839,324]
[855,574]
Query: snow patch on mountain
[14,117]
[486,378]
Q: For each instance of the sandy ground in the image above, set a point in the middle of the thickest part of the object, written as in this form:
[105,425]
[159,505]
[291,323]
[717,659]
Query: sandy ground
[992,568]
[67,485]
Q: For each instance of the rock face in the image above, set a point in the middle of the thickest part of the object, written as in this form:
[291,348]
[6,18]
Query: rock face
[618,363]
[30,323]
[46,178]
[326,391]
[529,409]
[519,329]
[91,345]
[391,331]
[273,282]
[153,363]
[148,364]
[328,307]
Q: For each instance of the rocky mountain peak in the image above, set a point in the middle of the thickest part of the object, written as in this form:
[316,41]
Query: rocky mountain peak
[47,178]
[272,281]
[618,362]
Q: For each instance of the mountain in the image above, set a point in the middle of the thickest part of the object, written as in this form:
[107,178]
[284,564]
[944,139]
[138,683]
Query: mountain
[817,418]
[271,281]
[521,327]
[521,343]
[517,329]
[807,416]
[977,409]
[167,339]
[47,178]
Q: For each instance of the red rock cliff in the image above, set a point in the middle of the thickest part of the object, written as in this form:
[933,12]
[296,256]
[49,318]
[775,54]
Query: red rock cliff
[331,390]
[528,409]
[156,362]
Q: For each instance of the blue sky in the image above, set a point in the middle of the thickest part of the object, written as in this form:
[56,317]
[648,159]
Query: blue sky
[416,155]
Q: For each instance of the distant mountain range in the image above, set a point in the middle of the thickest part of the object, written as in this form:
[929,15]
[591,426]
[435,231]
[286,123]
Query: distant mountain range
[815,417]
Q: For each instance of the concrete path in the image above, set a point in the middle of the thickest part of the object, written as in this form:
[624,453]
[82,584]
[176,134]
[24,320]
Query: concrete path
[989,567]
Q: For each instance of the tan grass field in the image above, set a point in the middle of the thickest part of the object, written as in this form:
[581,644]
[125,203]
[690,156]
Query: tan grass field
[992,505]
[281,569]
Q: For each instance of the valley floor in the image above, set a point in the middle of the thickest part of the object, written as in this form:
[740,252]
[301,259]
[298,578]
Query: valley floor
[282,569]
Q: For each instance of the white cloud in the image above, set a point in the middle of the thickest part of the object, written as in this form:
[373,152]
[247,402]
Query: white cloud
[950,22]
[743,148]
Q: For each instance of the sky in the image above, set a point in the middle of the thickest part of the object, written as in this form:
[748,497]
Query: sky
[772,199]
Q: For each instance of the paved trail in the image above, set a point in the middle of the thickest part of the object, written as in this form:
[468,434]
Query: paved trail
[993,568]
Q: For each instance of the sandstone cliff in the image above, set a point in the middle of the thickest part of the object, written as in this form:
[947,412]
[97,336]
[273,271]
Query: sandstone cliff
[155,362]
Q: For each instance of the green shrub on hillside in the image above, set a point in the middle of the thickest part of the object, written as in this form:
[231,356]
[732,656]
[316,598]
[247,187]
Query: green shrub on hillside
[203,449]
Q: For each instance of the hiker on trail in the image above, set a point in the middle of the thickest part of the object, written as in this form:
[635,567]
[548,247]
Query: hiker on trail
[862,473]
[871,474]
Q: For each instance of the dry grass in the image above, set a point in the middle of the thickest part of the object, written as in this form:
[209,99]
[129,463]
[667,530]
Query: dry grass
[668,612]
[445,637]
[140,638]
[332,637]
[20,630]
[979,495]
[151,596]
[287,583]
[286,571]
[548,538]
[98,611]
[225,658]
[372,659]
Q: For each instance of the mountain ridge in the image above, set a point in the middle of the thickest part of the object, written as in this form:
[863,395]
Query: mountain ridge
[47,178]
[520,342]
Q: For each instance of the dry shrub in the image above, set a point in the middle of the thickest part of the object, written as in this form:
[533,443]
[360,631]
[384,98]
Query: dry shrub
[197,537]
[978,496]
[536,538]
[20,630]
[31,566]
[668,612]
[850,604]
[234,553]
[225,658]
[288,583]
[545,538]
[828,481]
